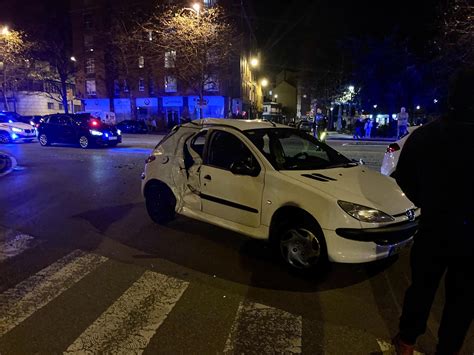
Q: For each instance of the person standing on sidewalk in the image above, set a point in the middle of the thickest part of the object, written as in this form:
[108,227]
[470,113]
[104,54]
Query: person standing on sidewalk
[440,183]
[402,122]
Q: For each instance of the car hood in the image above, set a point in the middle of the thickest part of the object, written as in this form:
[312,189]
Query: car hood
[356,184]
[20,125]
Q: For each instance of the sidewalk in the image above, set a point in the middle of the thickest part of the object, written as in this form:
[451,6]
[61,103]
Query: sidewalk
[349,137]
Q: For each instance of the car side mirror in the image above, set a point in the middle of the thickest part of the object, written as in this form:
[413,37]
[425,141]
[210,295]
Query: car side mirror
[242,168]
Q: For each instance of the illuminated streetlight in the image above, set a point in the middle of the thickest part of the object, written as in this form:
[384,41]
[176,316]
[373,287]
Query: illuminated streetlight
[264,82]
[276,96]
[305,96]
[351,88]
[5,31]
[418,107]
[197,7]
[435,101]
[375,106]
[254,62]
[73,59]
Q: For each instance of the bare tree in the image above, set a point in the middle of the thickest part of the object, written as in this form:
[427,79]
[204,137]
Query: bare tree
[196,44]
[14,61]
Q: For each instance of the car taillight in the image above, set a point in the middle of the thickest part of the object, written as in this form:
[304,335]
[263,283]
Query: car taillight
[393,147]
[150,159]
[94,123]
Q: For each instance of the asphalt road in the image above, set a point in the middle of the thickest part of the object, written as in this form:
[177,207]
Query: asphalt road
[83,269]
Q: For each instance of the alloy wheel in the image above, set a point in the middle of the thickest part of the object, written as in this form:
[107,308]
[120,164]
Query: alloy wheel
[300,248]
[84,142]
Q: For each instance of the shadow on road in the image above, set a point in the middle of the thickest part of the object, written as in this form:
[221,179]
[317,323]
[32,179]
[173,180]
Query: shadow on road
[215,251]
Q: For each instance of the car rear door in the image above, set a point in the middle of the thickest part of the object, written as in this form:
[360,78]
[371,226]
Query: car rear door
[234,197]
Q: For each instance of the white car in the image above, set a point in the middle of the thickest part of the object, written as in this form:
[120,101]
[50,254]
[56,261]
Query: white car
[12,130]
[390,158]
[277,183]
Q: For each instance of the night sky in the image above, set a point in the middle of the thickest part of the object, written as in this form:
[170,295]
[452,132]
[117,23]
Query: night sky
[302,33]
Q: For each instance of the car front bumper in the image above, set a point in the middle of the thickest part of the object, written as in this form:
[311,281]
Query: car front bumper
[22,136]
[351,245]
[103,140]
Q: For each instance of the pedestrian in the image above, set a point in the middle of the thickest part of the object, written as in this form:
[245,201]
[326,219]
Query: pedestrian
[402,122]
[441,184]
[358,128]
[368,128]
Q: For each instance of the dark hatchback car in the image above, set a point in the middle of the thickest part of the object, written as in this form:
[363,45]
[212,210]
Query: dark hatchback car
[81,129]
[132,126]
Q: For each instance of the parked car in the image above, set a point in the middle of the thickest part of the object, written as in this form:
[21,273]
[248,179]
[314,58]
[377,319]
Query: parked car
[32,120]
[12,130]
[132,126]
[390,158]
[81,129]
[276,183]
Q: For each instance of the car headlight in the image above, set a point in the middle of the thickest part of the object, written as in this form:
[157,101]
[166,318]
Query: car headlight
[17,130]
[364,214]
[95,132]
[119,132]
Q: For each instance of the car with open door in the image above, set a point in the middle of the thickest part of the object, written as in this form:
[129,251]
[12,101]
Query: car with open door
[277,183]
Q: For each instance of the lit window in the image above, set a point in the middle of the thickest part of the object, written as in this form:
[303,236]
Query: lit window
[171,84]
[141,61]
[170,59]
[141,84]
[50,105]
[90,87]
[90,66]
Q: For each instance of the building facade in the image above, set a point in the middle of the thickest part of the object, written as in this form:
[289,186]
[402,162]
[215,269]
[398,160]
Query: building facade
[148,95]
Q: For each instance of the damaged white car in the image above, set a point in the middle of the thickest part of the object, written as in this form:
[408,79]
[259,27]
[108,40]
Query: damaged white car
[276,183]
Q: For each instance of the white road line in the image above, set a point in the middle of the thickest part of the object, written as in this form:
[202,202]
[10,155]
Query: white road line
[261,329]
[30,295]
[14,244]
[128,325]
[388,347]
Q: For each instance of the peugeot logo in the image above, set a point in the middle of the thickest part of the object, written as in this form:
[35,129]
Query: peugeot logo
[410,214]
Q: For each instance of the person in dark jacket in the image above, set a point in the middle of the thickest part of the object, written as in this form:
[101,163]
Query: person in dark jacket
[434,173]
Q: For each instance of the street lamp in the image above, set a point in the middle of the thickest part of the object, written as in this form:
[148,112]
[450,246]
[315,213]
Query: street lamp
[197,7]
[5,31]
[351,88]
[264,83]
[254,62]
[73,59]
[418,107]
[375,106]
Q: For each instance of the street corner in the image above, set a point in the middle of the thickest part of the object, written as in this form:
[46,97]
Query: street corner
[7,163]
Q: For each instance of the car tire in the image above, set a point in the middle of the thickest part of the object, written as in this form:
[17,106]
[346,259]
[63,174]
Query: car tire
[160,203]
[301,245]
[84,142]
[5,138]
[43,140]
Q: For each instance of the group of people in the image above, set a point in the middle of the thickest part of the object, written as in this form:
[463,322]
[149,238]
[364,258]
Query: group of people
[363,128]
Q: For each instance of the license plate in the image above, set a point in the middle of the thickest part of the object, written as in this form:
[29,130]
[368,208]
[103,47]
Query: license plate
[112,138]
[396,249]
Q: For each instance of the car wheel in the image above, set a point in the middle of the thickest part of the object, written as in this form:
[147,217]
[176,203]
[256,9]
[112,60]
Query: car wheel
[84,142]
[5,138]
[43,139]
[160,203]
[113,144]
[302,245]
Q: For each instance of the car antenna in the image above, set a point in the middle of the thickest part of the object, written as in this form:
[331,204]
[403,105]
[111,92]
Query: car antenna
[271,122]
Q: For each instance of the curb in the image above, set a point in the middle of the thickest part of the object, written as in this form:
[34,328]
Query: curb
[7,164]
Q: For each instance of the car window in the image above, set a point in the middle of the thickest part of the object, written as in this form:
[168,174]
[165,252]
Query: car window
[198,142]
[226,149]
[290,149]
[53,120]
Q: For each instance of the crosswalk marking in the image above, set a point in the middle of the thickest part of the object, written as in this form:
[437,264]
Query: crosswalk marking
[128,325]
[261,329]
[30,295]
[13,245]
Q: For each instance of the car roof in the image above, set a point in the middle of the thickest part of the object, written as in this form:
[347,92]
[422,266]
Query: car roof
[242,125]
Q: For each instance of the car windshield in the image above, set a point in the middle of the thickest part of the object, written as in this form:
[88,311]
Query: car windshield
[290,149]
